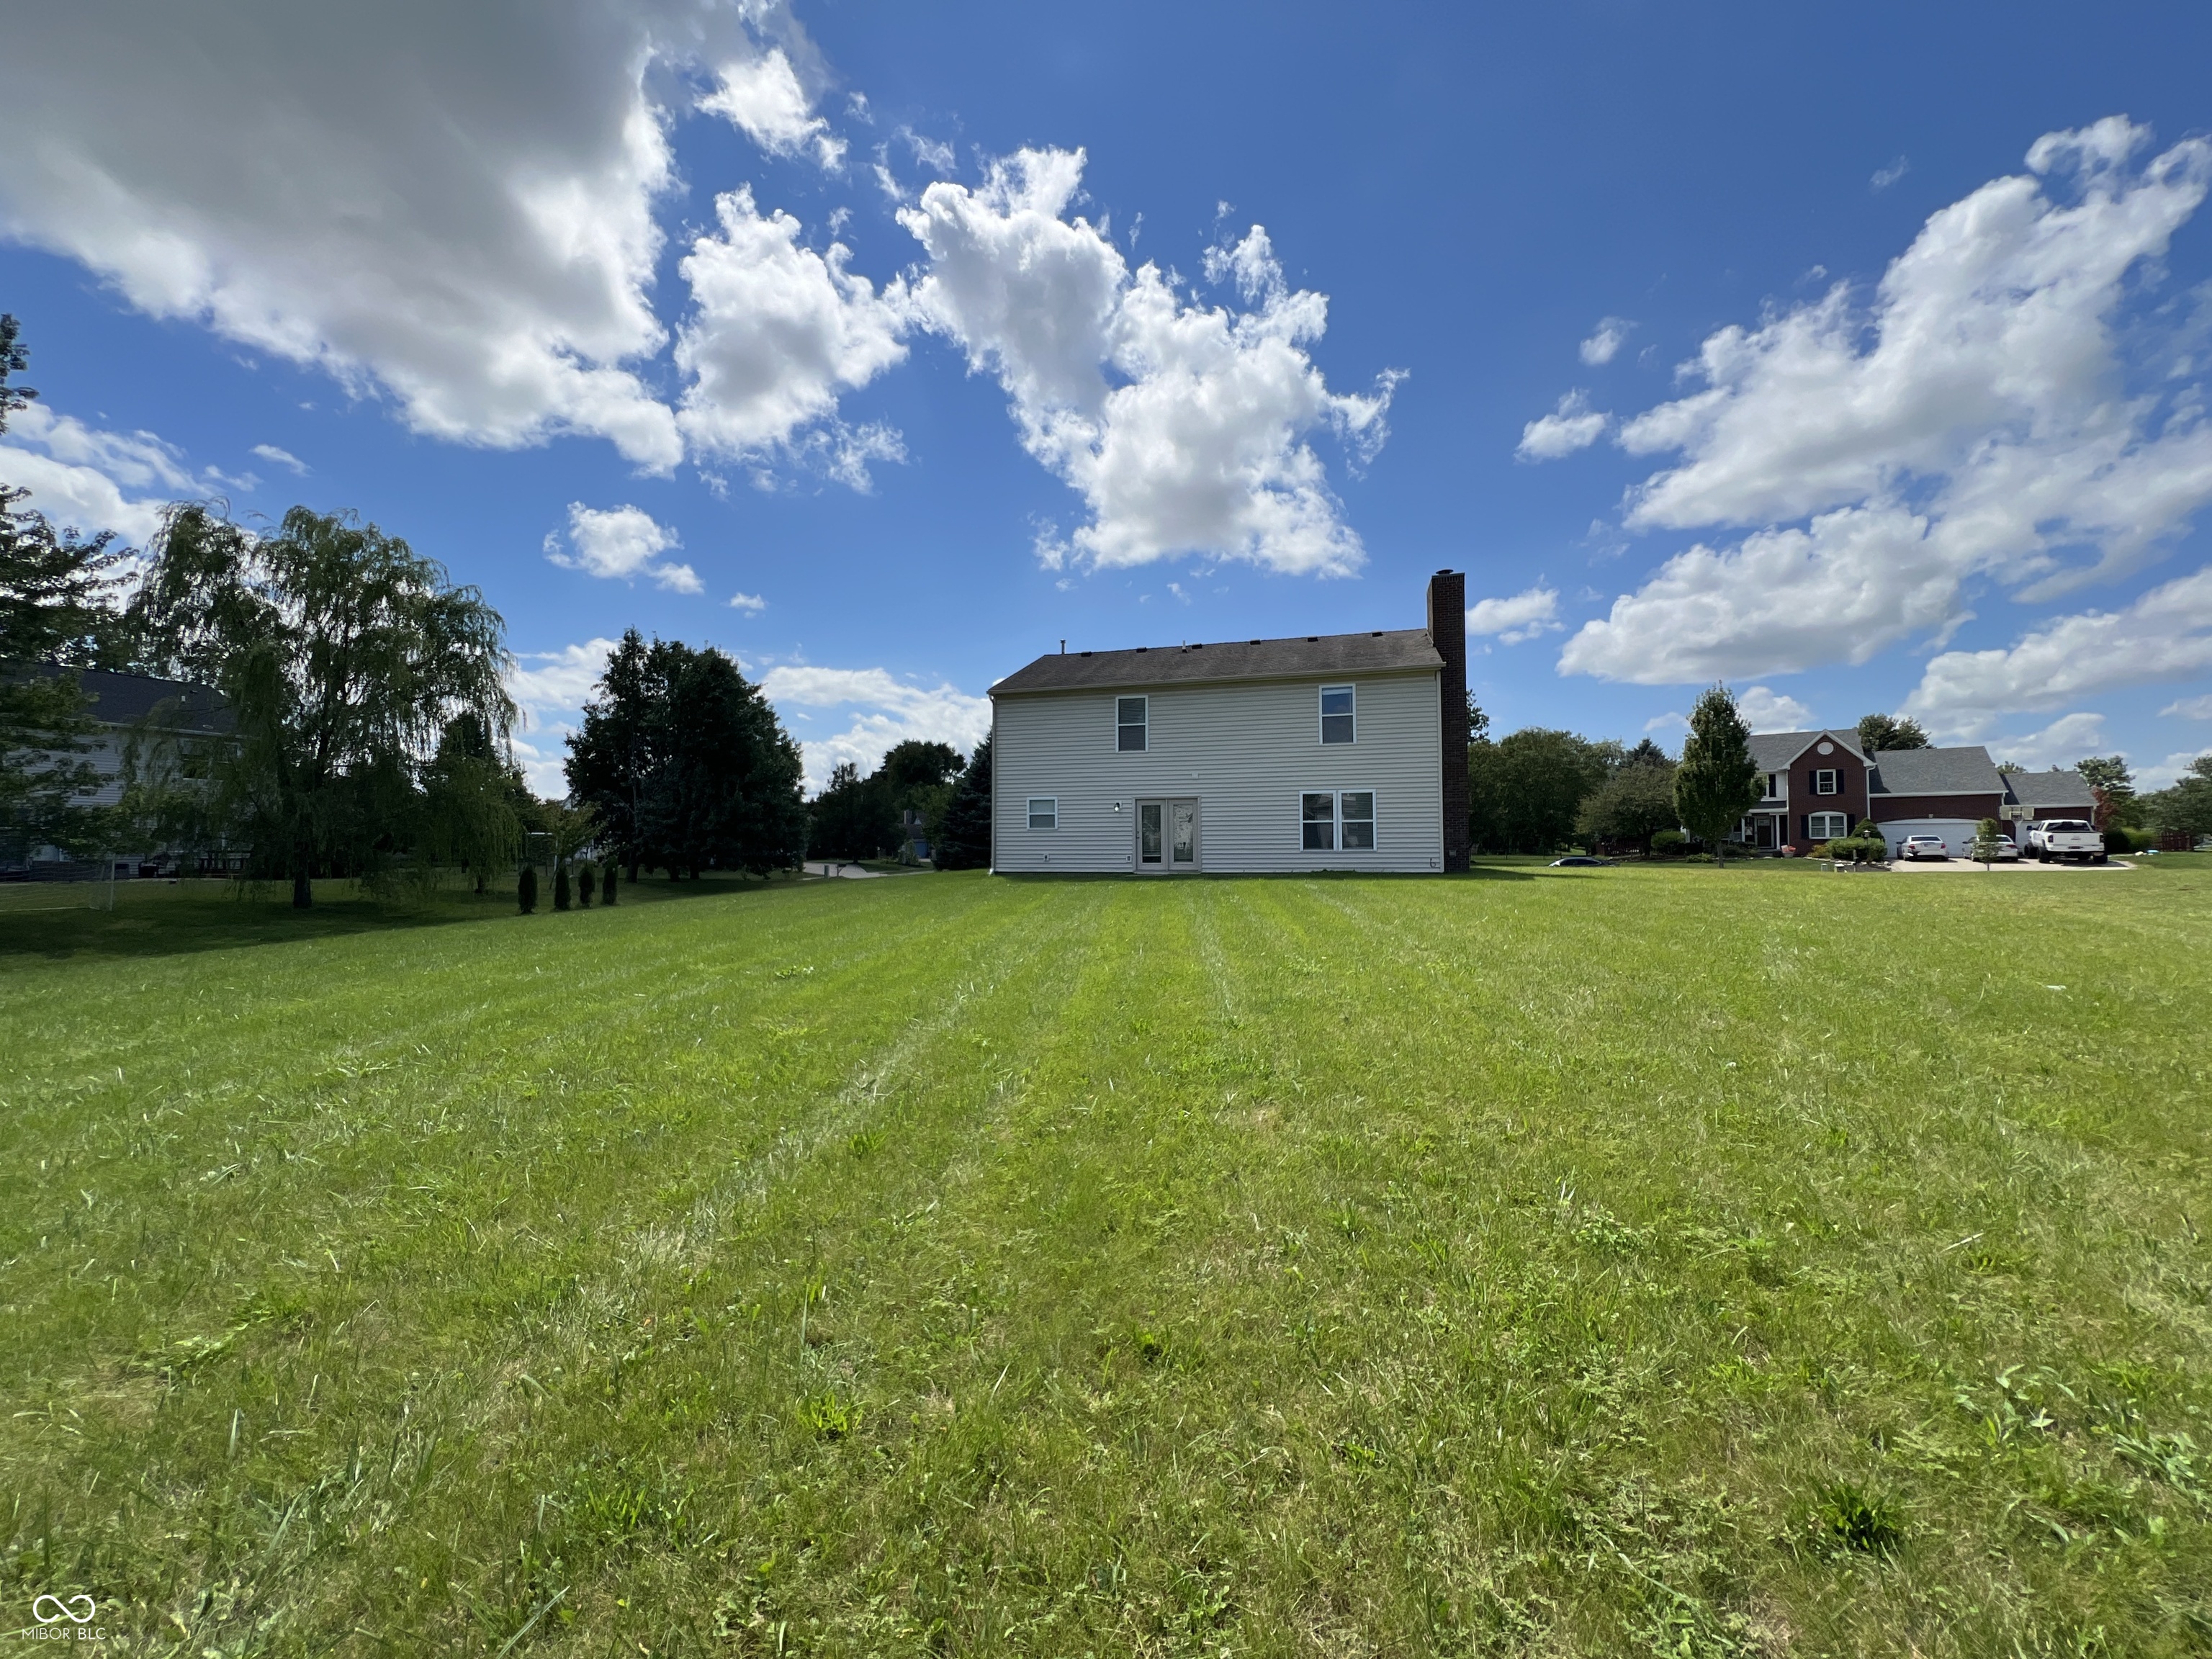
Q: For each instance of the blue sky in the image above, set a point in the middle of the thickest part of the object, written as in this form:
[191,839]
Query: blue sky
[1857,359]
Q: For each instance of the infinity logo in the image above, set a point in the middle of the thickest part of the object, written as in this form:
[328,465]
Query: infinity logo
[50,1610]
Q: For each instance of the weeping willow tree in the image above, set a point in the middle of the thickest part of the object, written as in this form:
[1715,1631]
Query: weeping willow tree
[344,656]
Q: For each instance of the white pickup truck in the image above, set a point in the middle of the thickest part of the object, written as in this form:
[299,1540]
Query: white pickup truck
[2073,839]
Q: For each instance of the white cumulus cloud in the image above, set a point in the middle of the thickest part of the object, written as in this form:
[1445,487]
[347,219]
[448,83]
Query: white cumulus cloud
[1572,426]
[751,603]
[1185,426]
[1980,418]
[80,475]
[551,688]
[622,544]
[777,333]
[885,711]
[2191,709]
[1764,709]
[1535,610]
[1605,341]
[2061,743]
[451,206]
[2166,635]
[762,96]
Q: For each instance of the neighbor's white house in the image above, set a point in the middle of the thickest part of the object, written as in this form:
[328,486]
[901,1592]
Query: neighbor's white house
[1335,751]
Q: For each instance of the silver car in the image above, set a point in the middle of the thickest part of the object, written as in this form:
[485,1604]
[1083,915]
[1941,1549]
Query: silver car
[1922,847]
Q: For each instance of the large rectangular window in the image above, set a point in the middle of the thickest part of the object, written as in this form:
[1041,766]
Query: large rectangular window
[1044,812]
[1826,826]
[1337,821]
[1338,716]
[1317,826]
[1356,818]
[1130,722]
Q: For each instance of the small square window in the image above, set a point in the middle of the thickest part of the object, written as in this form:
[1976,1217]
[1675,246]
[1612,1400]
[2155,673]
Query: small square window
[1044,812]
[1824,783]
[1130,721]
[1318,826]
[1357,813]
[1337,713]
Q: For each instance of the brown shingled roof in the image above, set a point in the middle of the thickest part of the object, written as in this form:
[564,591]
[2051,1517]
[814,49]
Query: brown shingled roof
[1318,655]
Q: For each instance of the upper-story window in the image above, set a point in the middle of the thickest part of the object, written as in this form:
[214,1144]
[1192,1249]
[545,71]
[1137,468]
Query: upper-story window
[1770,786]
[1825,782]
[1339,717]
[1130,721]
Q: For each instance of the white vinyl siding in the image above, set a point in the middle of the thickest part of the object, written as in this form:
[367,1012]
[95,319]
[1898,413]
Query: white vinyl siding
[1245,751]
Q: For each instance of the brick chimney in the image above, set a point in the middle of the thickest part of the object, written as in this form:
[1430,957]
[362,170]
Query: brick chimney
[1448,633]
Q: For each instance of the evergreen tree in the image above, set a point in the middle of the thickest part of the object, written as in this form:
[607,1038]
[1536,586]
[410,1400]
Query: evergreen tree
[526,888]
[850,818]
[586,882]
[1717,781]
[612,760]
[1878,732]
[560,895]
[684,766]
[608,878]
[961,838]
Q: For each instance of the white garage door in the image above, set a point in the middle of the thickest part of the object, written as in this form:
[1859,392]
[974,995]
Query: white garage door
[1956,832]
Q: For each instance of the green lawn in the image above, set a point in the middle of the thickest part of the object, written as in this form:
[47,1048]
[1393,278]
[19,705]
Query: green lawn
[1632,1261]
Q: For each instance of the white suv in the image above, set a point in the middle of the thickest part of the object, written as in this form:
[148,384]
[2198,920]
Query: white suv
[1922,847]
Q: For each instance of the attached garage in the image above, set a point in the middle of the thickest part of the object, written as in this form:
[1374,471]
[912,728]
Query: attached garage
[1956,832]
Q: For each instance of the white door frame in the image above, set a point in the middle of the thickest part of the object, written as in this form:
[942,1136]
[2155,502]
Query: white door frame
[1170,820]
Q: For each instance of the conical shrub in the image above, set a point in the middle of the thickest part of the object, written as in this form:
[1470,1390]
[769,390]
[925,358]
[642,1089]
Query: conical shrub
[525,889]
[559,887]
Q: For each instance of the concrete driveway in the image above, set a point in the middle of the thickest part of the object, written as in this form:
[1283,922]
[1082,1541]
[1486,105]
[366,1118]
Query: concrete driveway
[2024,868]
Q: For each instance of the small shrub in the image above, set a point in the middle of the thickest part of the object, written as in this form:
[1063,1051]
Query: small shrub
[559,887]
[1857,1519]
[607,886]
[2116,840]
[525,890]
[585,882]
[2140,841]
[1668,844]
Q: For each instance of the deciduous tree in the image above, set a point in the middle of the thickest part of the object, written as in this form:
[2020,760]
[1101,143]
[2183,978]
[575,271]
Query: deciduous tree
[1891,732]
[1717,781]
[343,655]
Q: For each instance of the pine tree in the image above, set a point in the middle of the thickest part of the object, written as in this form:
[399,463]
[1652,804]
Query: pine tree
[1717,781]
[607,887]
[962,841]
[561,886]
[586,880]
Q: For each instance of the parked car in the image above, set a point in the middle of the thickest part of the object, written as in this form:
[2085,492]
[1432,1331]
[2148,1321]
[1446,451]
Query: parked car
[1922,847]
[2075,840]
[1575,860]
[2008,850]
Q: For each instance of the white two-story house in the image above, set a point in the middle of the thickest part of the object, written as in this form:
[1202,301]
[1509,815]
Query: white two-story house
[1335,751]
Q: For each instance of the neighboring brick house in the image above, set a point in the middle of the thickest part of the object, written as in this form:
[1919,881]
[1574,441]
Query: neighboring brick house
[1820,784]
[1815,788]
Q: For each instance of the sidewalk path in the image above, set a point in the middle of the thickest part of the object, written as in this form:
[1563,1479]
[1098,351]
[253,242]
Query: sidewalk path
[831,869]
